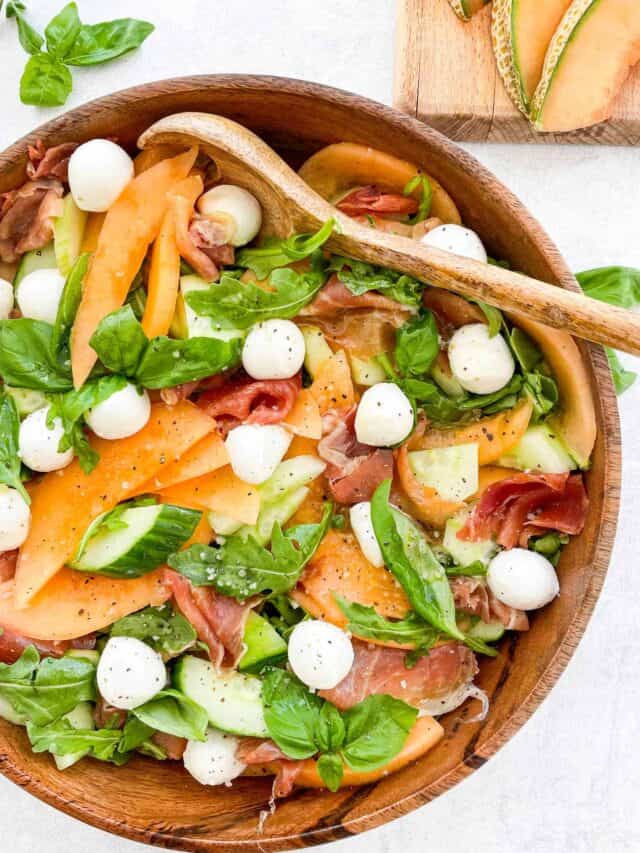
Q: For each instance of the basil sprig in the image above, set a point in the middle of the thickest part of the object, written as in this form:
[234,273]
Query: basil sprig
[10,467]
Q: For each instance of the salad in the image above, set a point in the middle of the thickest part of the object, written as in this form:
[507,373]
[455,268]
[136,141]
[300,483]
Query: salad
[263,509]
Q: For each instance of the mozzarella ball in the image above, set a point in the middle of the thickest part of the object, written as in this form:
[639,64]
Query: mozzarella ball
[15,518]
[362,526]
[457,240]
[6,298]
[213,761]
[129,673]
[320,654]
[38,443]
[481,364]
[255,451]
[98,172]
[236,206]
[39,295]
[273,350]
[523,579]
[384,416]
[122,414]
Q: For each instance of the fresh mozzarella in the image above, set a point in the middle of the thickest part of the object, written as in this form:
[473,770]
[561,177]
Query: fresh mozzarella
[129,673]
[255,451]
[213,761]
[15,518]
[320,654]
[39,295]
[384,416]
[6,298]
[481,364]
[522,579]
[273,350]
[122,414]
[457,240]
[235,207]
[360,517]
[38,443]
[98,172]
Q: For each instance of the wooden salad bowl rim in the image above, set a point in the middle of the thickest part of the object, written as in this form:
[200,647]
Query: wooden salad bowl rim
[143,801]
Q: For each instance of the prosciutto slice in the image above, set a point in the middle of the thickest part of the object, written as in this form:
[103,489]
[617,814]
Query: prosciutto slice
[473,596]
[354,470]
[8,561]
[252,401]
[219,620]
[256,752]
[26,217]
[12,645]
[172,745]
[378,669]
[50,162]
[525,505]
[372,199]
[210,237]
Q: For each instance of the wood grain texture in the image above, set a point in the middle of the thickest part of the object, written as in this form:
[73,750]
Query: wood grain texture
[445,74]
[158,802]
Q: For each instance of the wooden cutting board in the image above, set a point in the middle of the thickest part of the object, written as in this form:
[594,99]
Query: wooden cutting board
[445,74]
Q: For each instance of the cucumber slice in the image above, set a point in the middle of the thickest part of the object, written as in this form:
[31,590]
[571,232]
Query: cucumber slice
[128,543]
[291,475]
[38,259]
[80,718]
[317,350]
[539,449]
[465,553]
[447,382]
[280,511]
[68,231]
[8,713]
[487,631]
[366,371]
[92,655]
[26,400]
[232,700]
[187,324]
[451,471]
[223,525]
[264,646]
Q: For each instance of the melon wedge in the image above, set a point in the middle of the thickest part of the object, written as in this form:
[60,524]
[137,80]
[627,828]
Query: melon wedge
[220,491]
[333,386]
[429,506]
[466,9]
[65,502]
[521,31]
[588,60]
[344,166]
[304,419]
[207,455]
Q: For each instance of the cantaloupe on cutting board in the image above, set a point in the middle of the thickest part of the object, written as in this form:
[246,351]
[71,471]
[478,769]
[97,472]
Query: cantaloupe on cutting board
[466,9]
[521,31]
[589,58]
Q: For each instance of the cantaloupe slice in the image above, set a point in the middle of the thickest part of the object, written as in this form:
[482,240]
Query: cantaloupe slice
[65,502]
[521,31]
[333,386]
[343,166]
[466,9]
[304,419]
[92,232]
[207,455]
[588,60]
[220,491]
[429,506]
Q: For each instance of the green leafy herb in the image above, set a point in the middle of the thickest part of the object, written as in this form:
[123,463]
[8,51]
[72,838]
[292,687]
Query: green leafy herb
[30,39]
[331,770]
[475,569]
[45,82]
[493,317]
[242,568]
[426,197]
[438,407]
[171,712]
[120,341]
[367,623]
[69,302]
[524,349]
[98,43]
[135,733]
[360,277]
[279,610]
[417,345]
[62,31]
[376,731]
[9,458]
[279,253]
[292,714]
[61,738]
[27,358]
[543,393]
[481,401]
[162,628]
[622,378]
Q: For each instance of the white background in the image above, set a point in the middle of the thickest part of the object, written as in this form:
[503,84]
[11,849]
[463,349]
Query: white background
[569,781]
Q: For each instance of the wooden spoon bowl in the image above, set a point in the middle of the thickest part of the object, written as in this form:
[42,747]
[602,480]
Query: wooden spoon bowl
[158,802]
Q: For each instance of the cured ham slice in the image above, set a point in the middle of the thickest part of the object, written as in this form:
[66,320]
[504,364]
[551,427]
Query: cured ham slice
[211,238]
[372,199]
[473,596]
[26,217]
[252,401]
[50,162]
[12,645]
[8,562]
[354,470]
[519,507]
[172,746]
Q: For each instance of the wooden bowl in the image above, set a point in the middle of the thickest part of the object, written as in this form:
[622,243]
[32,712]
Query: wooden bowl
[159,803]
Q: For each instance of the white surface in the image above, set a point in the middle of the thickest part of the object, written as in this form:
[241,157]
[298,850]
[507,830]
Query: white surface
[569,780]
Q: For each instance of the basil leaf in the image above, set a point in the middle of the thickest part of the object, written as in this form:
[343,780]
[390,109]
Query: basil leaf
[417,345]
[615,285]
[279,253]
[524,349]
[291,713]
[9,459]
[120,341]
[622,378]
[481,401]
[331,770]
[171,712]
[45,690]
[426,197]
[69,303]
[27,359]
[167,362]
[242,568]
[543,393]
[437,406]
[29,38]
[45,82]
[475,569]
[330,729]
[367,623]
[162,628]
[410,559]
[360,277]
[376,730]
[134,734]
[493,317]
[61,738]
[62,30]
[97,43]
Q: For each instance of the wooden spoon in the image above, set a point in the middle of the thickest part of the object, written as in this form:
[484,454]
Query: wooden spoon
[290,206]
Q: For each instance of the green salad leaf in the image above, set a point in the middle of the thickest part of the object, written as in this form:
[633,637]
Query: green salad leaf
[376,730]
[162,628]
[61,738]
[279,253]
[30,39]
[366,622]
[417,345]
[69,303]
[134,734]
[45,82]
[493,317]
[98,43]
[292,714]
[27,358]
[120,341]
[426,197]
[171,712]
[9,458]
[360,277]
[62,31]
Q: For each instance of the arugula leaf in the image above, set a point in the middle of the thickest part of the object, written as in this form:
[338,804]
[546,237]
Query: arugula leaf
[27,359]
[366,622]
[62,30]
[171,712]
[360,277]
[376,731]
[242,568]
[242,305]
[167,362]
[69,302]
[61,738]
[9,459]
[417,345]
[45,690]
[481,401]
[426,197]
[120,341]
[279,253]
[71,408]
[162,628]
[29,38]
[97,43]
[45,81]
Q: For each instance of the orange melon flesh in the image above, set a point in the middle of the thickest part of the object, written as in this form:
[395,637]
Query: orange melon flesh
[429,506]
[207,455]
[220,491]
[92,232]
[304,419]
[534,23]
[588,60]
[65,502]
[343,166]
[333,386]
